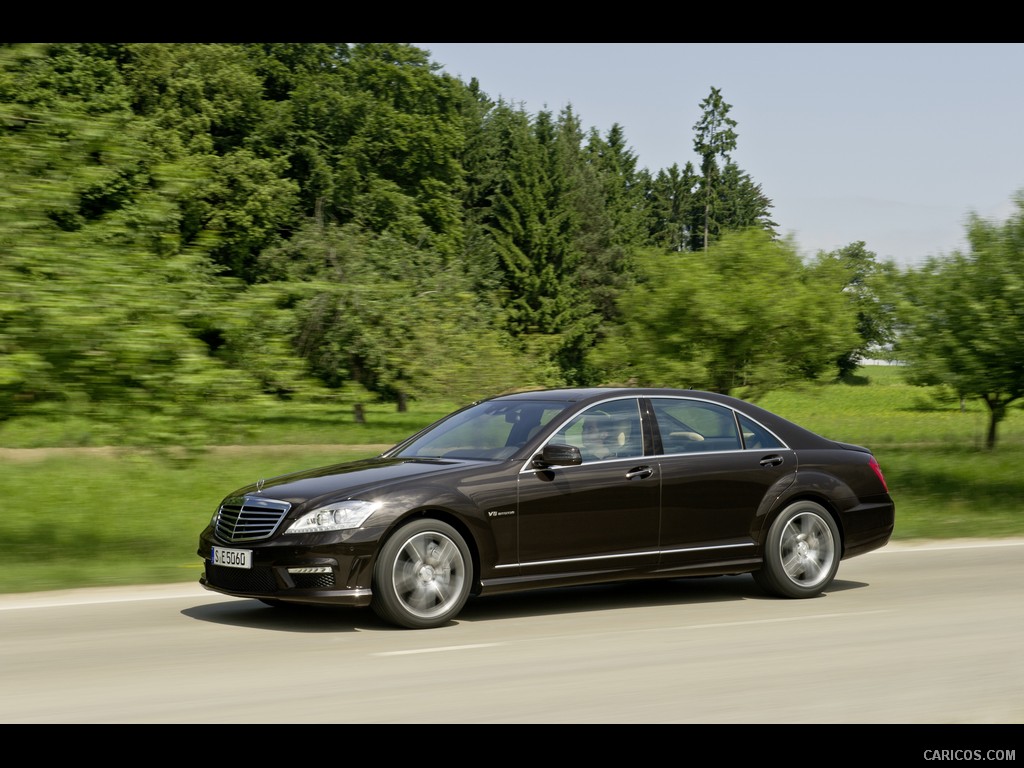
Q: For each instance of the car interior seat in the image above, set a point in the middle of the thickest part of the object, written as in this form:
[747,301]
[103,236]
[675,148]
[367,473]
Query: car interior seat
[626,437]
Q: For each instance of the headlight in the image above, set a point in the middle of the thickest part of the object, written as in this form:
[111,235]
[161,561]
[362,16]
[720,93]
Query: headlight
[334,517]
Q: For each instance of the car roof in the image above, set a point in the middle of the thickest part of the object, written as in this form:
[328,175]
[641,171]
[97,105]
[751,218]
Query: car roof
[792,433]
[580,394]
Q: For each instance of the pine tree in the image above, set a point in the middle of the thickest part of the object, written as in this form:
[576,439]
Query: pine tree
[714,138]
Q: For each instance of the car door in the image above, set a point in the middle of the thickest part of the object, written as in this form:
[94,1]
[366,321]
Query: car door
[713,485]
[598,516]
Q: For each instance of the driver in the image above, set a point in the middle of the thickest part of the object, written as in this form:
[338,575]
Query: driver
[597,436]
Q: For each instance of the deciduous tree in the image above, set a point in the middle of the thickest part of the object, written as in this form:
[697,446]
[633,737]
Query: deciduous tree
[863,277]
[962,317]
[746,317]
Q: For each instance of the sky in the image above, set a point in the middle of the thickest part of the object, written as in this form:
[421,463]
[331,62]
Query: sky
[892,144]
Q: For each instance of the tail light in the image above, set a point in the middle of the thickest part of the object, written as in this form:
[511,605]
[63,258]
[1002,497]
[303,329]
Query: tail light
[873,463]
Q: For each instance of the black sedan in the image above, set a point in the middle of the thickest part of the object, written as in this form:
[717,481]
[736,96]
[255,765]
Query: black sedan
[553,488]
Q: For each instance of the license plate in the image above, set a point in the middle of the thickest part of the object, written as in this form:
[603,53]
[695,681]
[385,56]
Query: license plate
[232,558]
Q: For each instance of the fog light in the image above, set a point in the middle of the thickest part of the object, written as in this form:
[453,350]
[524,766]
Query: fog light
[313,569]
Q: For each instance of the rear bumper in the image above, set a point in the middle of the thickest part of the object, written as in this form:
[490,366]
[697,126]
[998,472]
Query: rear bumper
[868,526]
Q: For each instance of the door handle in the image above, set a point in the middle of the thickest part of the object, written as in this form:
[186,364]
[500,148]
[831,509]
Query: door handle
[771,461]
[641,472]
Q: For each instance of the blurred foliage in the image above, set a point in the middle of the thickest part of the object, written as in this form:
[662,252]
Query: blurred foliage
[719,322]
[184,224]
[189,225]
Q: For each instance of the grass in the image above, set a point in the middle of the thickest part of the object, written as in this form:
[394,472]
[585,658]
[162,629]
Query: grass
[118,517]
[102,520]
[946,483]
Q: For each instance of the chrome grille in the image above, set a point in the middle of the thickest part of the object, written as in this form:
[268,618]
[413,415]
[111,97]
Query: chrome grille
[249,518]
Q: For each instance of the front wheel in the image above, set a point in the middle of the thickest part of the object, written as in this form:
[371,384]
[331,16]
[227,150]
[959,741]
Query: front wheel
[801,552]
[422,576]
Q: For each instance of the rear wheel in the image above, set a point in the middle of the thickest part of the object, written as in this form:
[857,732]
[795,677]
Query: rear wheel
[422,576]
[801,552]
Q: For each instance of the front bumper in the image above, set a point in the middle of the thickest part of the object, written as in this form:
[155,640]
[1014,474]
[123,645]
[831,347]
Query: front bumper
[358,597]
[337,573]
[279,584]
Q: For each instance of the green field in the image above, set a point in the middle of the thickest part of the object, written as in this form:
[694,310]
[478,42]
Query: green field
[77,514]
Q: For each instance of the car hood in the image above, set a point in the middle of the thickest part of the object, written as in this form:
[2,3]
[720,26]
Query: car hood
[349,479]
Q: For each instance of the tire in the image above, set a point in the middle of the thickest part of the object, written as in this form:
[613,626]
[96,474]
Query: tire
[801,553]
[422,576]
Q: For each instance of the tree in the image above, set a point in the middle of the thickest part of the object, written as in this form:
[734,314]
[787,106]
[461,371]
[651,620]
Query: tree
[962,322]
[864,281]
[101,304]
[621,185]
[206,102]
[670,205]
[746,316]
[531,224]
[595,182]
[372,311]
[401,137]
[741,203]
[714,138]
[285,66]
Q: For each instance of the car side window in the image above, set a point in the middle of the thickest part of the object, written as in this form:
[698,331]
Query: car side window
[606,431]
[757,437]
[687,426]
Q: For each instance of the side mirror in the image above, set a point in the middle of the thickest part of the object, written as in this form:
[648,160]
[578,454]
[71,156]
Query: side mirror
[556,454]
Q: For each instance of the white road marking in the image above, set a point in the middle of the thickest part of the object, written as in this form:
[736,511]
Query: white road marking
[438,649]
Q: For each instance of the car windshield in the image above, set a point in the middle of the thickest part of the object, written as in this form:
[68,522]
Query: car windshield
[493,430]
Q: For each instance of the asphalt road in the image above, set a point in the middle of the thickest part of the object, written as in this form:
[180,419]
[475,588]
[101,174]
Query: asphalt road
[928,634]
